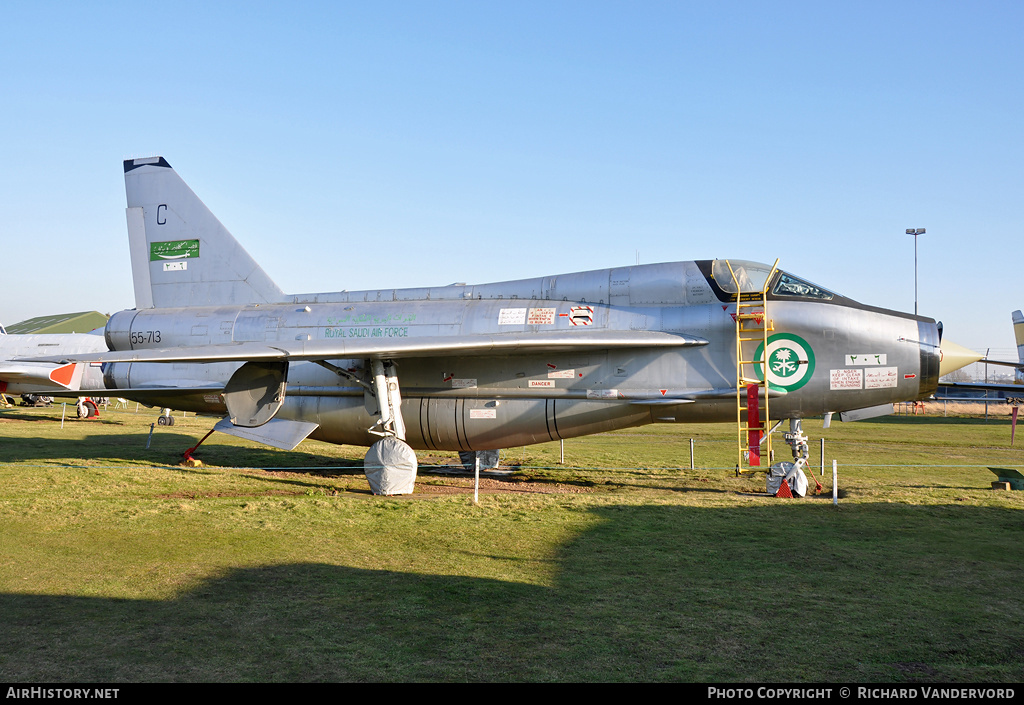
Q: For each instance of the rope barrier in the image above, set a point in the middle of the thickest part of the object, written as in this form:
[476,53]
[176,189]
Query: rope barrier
[359,466]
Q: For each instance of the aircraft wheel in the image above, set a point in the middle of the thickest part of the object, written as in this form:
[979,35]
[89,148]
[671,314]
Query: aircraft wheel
[161,420]
[390,467]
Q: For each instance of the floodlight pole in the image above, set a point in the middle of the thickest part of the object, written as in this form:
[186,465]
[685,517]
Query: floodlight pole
[915,232]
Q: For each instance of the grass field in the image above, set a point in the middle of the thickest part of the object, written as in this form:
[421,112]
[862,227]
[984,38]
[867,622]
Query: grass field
[119,565]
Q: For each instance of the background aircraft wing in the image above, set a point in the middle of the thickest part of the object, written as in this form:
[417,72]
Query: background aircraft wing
[1009,389]
[47,377]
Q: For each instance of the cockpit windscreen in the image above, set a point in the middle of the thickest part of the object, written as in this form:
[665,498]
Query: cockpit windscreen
[788,285]
[747,277]
[740,276]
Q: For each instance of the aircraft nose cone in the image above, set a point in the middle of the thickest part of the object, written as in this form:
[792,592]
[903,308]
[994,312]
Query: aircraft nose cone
[955,356]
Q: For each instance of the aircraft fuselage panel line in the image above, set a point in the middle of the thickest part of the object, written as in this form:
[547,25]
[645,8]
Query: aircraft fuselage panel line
[460,425]
[421,416]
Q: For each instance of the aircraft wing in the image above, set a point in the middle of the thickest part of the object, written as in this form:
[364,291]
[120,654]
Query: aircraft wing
[1010,389]
[46,377]
[1004,363]
[394,348]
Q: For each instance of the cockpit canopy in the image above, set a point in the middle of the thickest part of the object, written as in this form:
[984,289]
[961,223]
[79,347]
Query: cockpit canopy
[744,276]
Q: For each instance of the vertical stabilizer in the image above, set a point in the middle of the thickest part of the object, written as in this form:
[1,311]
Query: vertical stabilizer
[181,254]
[1018,333]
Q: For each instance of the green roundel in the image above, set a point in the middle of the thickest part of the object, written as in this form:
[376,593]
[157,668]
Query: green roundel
[790,361]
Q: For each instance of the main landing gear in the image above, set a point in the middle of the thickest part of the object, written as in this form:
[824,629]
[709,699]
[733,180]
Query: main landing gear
[390,464]
[87,408]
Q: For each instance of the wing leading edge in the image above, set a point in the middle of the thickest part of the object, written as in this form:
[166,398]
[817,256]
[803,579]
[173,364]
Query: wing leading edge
[427,346]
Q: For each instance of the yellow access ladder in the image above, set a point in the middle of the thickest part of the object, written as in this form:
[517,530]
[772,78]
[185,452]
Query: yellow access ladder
[753,326]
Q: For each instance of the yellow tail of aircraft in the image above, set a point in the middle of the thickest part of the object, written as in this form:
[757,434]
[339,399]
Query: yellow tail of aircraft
[1018,333]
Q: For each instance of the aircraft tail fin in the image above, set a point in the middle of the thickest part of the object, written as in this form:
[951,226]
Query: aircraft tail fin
[1018,333]
[181,254]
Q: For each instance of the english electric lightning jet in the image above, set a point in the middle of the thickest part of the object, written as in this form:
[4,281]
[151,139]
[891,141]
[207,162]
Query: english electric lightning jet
[481,367]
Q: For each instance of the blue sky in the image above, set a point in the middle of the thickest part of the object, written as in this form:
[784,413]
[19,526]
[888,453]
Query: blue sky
[391,144]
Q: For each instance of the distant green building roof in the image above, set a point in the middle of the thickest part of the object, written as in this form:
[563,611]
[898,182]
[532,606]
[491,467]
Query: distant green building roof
[81,322]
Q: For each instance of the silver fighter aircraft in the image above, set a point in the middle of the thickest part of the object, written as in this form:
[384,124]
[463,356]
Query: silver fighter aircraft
[487,366]
[18,376]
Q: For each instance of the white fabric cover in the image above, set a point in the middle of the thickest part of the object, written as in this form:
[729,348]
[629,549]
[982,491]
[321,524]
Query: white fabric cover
[789,473]
[390,467]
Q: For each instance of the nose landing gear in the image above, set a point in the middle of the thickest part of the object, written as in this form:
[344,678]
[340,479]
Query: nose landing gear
[793,474]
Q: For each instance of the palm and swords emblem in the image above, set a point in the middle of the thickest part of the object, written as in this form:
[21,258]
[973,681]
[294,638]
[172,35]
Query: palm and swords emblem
[790,361]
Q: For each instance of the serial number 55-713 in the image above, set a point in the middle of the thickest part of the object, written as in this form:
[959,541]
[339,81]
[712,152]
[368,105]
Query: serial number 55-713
[145,336]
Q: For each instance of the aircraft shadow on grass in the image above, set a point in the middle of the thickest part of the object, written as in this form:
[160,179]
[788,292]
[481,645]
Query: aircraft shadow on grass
[166,448]
[873,592]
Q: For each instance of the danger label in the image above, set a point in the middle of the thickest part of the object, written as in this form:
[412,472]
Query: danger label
[846,379]
[541,316]
[511,316]
[881,377]
[542,383]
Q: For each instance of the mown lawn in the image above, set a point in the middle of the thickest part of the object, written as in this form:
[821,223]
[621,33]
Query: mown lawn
[119,565]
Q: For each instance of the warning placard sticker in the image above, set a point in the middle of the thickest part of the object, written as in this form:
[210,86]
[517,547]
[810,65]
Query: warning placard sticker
[511,316]
[881,377]
[846,379]
[541,316]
